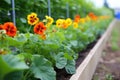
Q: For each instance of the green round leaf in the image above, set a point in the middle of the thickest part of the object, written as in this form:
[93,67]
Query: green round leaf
[42,68]
[70,67]
[61,61]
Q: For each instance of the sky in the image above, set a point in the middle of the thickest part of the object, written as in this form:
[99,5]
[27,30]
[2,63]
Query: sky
[111,3]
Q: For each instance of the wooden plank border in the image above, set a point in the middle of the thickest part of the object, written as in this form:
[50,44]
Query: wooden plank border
[87,68]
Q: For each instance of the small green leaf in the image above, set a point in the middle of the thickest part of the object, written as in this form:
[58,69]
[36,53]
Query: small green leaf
[42,68]
[23,20]
[34,38]
[61,61]
[70,67]
[74,43]
[21,38]
[67,56]
[8,1]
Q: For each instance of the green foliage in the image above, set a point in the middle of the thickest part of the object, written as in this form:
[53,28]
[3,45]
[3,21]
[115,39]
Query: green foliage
[11,64]
[108,77]
[42,68]
[58,10]
[29,57]
[61,61]
[59,49]
[16,75]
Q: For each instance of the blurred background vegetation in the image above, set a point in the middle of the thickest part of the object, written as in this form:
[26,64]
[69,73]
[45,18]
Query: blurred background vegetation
[58,9]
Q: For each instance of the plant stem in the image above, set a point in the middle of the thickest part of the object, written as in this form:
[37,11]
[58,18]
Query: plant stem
[25,76]
[29,29]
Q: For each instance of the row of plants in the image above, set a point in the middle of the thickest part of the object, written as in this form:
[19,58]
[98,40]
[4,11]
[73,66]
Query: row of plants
[58,9]
[45,46]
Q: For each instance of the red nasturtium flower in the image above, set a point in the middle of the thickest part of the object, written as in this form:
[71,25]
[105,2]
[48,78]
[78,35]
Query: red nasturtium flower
[39,28]
[10,28]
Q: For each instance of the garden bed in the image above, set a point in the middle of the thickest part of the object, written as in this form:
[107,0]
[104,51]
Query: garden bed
[59,52]
[87,67]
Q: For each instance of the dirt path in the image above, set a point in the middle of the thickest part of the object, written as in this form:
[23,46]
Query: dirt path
[109,65]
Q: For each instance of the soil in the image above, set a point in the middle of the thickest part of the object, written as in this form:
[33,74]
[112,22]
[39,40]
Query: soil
[109,65]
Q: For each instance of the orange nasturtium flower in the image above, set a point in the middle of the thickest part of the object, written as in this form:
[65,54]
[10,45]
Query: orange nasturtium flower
[64,24]
[10,29]
[77,18]
[32,18]
[39,28]
[92,16]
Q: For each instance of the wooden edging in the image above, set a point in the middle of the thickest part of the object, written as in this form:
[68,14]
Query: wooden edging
[86,69]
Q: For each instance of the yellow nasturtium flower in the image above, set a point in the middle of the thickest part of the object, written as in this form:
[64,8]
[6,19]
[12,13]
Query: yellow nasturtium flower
[82,20]
[47,25]
[62,23]
[32,18]
[87,18]
[59,23]
[75,25]
[65,24]
[103,17]
[69,21]
[49,19]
